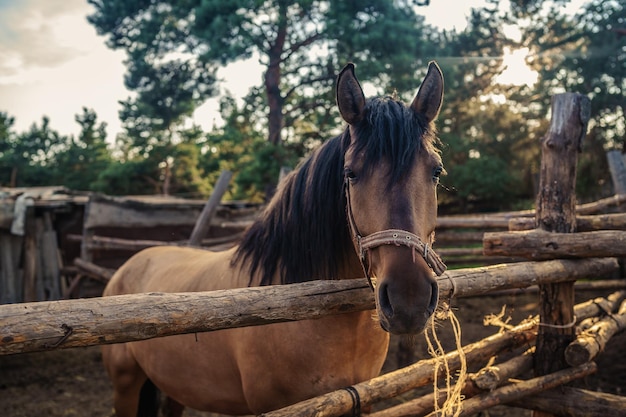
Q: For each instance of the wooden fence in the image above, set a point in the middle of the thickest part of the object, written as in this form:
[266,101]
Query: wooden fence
[31,327]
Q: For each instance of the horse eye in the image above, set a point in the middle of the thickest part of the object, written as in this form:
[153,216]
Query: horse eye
[437,173]
[349,174]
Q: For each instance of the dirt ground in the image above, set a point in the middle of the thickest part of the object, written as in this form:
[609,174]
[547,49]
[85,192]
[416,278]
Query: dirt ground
[73,382]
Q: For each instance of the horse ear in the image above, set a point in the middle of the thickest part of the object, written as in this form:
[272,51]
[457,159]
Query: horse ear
[430,95]
[350,97]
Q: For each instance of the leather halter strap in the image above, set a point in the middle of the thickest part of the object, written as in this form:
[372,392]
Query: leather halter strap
[396,237]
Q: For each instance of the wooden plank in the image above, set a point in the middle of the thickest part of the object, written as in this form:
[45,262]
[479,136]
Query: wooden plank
[386,386]
[40,326]
[114,243]
[475,281]
[486,221]
[203,222]
[540,245]
[40,286]
[6,213]
[50,265]
[601,205]
[11,289]
[613,221]
[489,377]
[31,256]
[593,340]
[524,389]
[115,212]
[617,167]
[575,402]
[93,270]
[94,321]
[447,237]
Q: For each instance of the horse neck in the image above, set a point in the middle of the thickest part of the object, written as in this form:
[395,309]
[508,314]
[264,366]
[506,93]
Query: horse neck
[352,268]
[303,234]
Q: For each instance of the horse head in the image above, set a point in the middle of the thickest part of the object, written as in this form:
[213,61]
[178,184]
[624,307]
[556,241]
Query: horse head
[391,170]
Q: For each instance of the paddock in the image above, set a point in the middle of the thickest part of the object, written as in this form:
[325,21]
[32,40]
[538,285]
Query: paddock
[32,327]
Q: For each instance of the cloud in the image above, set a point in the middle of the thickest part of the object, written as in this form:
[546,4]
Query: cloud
[52,62]
[32,34]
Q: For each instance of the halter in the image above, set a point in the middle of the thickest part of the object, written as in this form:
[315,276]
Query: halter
[395,237]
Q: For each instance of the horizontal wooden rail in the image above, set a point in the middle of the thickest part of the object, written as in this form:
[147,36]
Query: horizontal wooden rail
[613,221]
[501,219]
[538,244]
[49,325]
[419,374]
[114,243]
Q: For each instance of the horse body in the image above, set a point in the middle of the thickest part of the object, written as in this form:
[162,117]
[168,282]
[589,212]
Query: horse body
[236,371]
[365,201]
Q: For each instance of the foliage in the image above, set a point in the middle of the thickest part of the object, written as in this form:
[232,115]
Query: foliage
[489,150]
[7,140]
[84,158]
[300,43]
[584,53]
[28,159]
[490,131]
[240,148]
[127,178]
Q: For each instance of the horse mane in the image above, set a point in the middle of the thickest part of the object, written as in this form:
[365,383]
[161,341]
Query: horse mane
[303,233]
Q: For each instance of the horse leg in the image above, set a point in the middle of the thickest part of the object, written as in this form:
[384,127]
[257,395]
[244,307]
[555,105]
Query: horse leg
[172,408]
[127,377]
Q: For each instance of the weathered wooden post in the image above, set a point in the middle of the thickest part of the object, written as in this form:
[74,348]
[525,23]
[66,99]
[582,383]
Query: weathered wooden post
[556,204]
[204,220]
[617,166]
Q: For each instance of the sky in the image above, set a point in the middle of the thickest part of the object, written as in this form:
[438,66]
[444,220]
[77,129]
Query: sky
[53,63]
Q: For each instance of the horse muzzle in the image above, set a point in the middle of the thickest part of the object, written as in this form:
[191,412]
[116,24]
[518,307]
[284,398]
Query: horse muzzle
[407,292]
[406,311]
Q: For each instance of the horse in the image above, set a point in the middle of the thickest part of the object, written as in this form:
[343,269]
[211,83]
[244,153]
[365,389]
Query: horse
[363,203]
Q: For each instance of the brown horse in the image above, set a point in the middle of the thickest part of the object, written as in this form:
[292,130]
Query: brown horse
[365,201]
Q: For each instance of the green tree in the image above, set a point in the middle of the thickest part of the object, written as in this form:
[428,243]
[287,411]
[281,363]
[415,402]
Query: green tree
[81,162]
[583,53]
[27,159]
[240,147]
[301,43]
[8,168]
[154,119]
[127,177]
[486,135]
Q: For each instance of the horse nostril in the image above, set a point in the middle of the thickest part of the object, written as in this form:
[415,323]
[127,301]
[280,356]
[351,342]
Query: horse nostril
[434,298]
[384,301]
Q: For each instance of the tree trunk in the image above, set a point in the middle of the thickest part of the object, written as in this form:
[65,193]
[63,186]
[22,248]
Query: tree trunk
[556,212]
[272,79]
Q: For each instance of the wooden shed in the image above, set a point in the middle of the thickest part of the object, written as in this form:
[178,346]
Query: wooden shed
[51,238]
[34,250]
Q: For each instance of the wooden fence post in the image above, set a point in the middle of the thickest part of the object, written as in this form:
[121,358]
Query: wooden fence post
[204,221]
[556,212]
[617,166]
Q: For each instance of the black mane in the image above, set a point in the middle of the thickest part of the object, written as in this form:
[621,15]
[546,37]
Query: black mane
[303,233]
